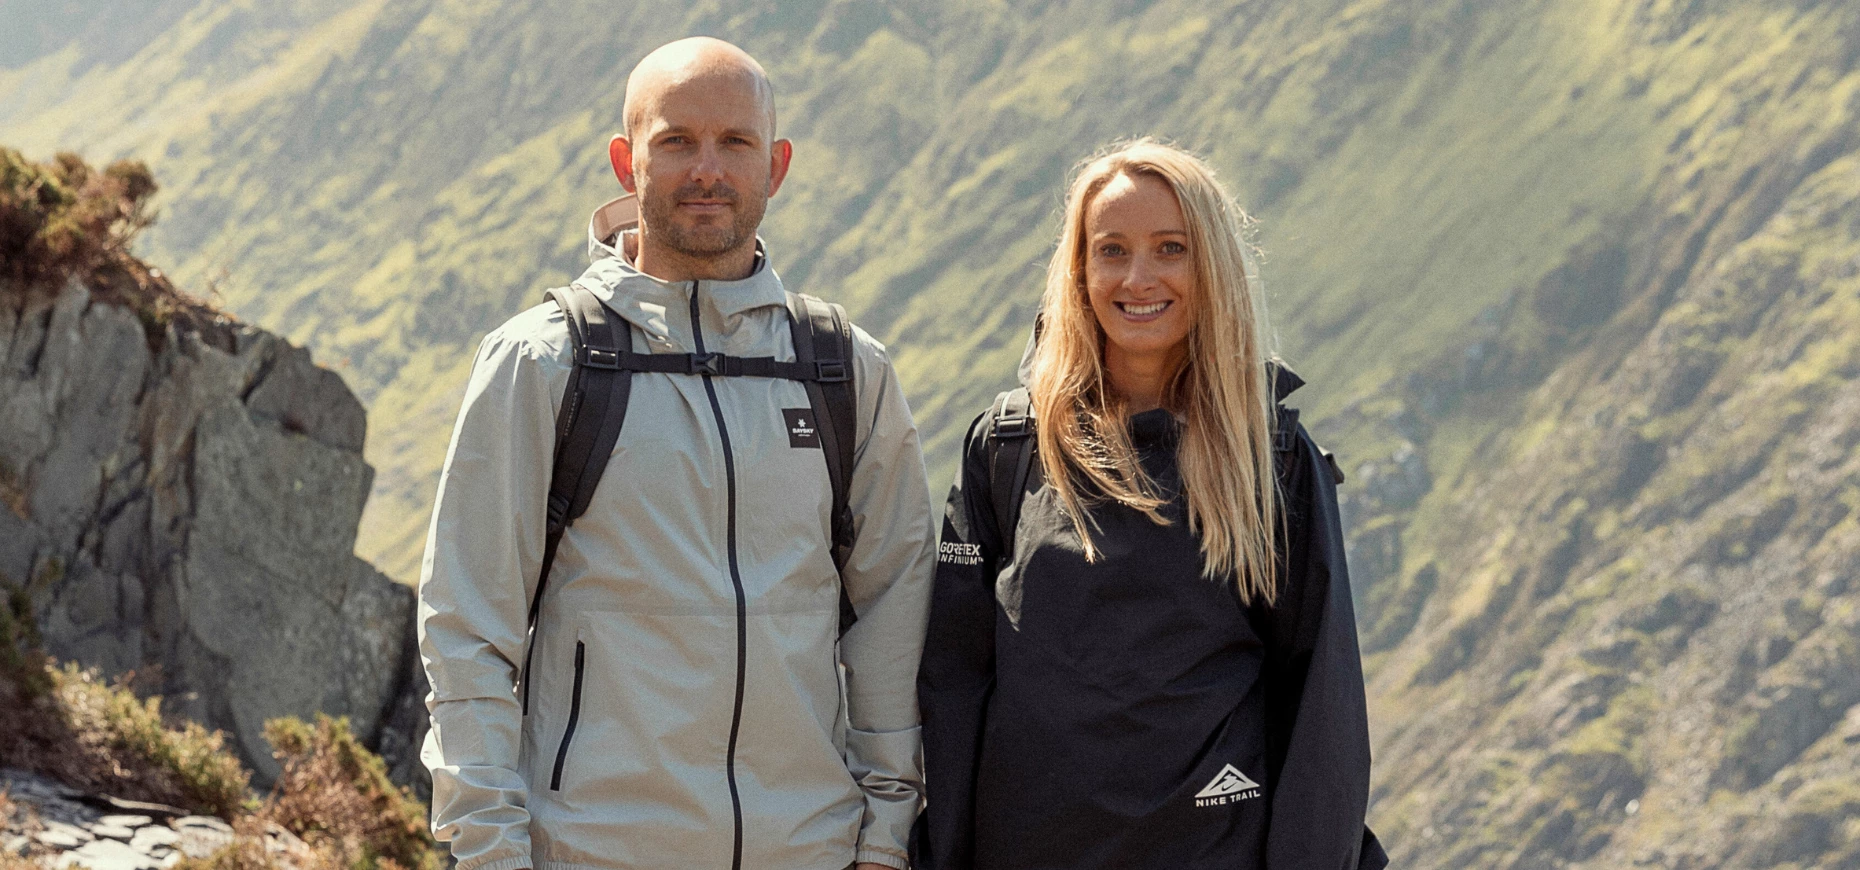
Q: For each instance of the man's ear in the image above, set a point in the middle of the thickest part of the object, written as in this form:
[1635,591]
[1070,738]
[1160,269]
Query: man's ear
[779,156]
[620,152]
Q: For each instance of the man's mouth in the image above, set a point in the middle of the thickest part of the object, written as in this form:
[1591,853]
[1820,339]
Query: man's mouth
[701,200]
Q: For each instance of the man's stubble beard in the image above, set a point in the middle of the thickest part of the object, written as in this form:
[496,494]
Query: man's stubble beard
[706,243]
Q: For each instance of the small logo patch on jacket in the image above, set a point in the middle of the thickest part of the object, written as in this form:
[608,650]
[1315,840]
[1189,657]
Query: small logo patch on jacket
[958,553]
[1229,786]
[801,429]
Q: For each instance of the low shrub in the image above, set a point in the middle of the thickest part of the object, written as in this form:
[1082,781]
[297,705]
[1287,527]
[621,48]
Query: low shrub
[124,740]
[23,676]
[16,861]
[66,220]
[337,796]
[70,724]
[252,848]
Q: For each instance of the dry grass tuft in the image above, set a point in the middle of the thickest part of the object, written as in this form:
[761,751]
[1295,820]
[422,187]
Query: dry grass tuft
[66,220]
[337,796]
[23,675]
[246,852]
[119,745]
[100,737]
[14,817]
[71,725]
[252,849]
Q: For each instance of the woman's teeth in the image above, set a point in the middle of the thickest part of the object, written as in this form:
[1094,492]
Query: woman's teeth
[1143,310]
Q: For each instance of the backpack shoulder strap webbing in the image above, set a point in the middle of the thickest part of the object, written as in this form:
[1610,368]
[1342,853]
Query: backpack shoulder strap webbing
[1283,381]
[586,427]
[1011,446]
[1010,456]
[1285,423]
[823,342]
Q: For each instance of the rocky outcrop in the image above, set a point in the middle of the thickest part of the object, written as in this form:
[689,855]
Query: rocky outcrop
[182,505]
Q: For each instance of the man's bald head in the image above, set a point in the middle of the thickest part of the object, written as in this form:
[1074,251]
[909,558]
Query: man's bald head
[701,153]
[698,60]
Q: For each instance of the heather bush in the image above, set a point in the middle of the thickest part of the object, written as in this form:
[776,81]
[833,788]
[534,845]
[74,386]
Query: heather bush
[65,220]
[337,796]
[23,677]
[70,724]
[125,742]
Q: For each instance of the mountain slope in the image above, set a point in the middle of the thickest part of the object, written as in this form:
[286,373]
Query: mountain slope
[415,190]
[1624,630]
[1574,284]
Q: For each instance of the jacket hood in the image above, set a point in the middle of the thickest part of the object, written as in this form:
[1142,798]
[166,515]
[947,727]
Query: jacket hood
[608,222]
[642,298]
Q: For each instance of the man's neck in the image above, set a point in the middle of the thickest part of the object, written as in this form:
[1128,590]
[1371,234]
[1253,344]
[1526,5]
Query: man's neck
[673,267]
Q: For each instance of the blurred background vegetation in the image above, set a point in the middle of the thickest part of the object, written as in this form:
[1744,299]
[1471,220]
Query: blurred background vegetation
[1576,285]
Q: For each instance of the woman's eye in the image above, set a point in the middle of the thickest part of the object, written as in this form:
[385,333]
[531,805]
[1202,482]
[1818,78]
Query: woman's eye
[1174,248]
[1111,250]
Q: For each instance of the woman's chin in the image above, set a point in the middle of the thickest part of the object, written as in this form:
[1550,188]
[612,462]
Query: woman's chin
[1143,343]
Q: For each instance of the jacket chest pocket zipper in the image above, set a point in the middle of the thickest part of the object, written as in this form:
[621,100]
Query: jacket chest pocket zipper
[574,715]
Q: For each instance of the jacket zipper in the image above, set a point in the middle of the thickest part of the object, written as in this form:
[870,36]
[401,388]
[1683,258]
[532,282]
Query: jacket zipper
[574,715]
[736,580]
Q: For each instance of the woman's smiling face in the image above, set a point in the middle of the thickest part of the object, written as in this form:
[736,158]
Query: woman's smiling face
[1139,271]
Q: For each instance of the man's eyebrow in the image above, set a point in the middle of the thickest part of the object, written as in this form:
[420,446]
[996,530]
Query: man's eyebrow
[749,133]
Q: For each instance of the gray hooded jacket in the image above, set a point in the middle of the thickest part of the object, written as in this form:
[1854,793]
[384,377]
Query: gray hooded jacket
[691,702]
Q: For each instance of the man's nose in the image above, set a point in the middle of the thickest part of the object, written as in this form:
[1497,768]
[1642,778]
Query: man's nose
[709,167]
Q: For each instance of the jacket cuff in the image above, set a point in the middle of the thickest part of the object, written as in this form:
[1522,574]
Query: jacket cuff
[873,856]
[514,862]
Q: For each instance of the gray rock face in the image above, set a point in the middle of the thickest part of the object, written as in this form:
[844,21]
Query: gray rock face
[190,514]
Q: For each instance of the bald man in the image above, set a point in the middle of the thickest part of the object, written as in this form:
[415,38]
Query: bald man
[702,668]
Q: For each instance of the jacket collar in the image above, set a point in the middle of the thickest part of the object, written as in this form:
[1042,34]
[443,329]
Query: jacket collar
[615,281]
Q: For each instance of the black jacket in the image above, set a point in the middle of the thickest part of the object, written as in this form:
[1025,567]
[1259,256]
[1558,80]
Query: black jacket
[1130,713]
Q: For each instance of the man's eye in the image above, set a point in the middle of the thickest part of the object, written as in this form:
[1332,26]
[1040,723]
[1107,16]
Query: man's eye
[674,140]
[736,140]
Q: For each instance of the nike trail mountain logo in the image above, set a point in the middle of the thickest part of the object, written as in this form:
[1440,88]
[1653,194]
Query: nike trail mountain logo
[1229,786]
[801,430]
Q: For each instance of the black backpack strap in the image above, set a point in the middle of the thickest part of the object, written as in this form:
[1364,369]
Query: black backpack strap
[1284,429]
[726,366]
[587,427]
[1010,456]
[1285,423]
[1283,381]
[823,345]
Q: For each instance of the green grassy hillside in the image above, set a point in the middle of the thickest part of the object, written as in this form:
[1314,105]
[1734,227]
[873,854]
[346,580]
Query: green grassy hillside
[427,168]
[1576,284]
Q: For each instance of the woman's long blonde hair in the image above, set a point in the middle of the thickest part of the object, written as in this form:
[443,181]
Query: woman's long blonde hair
[1220,392]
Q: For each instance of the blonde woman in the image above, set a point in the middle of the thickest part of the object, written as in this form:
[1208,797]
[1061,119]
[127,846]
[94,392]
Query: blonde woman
[1141,649]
